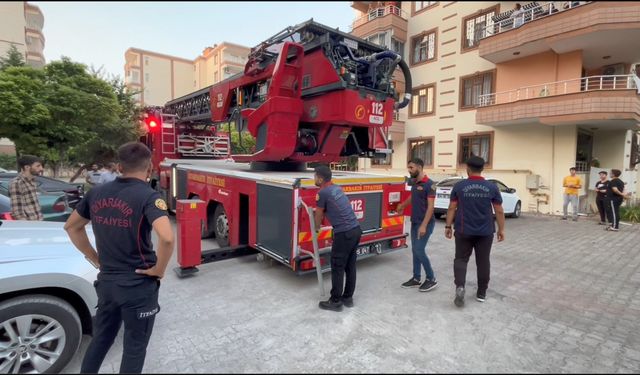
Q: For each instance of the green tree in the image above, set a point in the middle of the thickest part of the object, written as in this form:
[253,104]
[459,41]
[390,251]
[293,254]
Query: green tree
[14,58]
[65,114]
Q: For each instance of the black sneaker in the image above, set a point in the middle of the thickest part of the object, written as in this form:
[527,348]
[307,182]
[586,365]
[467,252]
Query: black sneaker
[413,283]
[564,218]
[459,301]
[348,302]
[330,305]
[481,297]
[428,285]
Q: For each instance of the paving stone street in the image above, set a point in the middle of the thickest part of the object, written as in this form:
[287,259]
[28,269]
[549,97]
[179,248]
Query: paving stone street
[563,297]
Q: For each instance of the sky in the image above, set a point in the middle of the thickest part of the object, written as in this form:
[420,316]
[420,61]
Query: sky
[98,33]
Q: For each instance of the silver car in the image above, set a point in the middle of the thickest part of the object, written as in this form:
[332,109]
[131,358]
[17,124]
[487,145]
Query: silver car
[47,298]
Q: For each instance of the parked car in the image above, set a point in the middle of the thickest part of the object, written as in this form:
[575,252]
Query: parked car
[2,170]
[54,205]
[510,200]
[47,297]
[74,192]
[5,208]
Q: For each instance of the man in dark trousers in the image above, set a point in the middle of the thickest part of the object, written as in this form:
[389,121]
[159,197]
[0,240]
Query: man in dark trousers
[332,201]
[471,205]
[123,213]
[422,223]
[615,197]
[601,196]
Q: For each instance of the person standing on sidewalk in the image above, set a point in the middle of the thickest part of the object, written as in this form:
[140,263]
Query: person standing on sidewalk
[25,204]
[601,195]
[572,185]
[332,201]
[471,205]
[615,197]
[422,223]
[122,214]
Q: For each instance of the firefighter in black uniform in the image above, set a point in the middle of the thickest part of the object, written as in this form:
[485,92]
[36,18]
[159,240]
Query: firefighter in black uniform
[123,213]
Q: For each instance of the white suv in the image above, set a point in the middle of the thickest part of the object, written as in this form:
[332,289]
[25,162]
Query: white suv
[510,201]
[47,298]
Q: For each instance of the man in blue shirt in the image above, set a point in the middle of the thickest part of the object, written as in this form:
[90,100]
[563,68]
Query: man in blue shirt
[471,204]
[332,201]
[422,223]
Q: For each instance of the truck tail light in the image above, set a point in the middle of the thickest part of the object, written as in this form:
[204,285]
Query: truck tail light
[306,265]
[6,216]
[402,242]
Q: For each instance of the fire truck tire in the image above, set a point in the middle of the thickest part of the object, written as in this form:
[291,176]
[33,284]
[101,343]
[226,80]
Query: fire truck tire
[221,226]
[260,257]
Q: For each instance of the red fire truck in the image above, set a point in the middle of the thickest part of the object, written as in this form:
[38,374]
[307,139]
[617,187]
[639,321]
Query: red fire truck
[309,94]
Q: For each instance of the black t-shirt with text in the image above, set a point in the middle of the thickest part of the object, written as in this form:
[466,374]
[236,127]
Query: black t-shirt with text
[616,182]
[602,185]
[122,213]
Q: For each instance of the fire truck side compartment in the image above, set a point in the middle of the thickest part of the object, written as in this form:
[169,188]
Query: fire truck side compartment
[275,219]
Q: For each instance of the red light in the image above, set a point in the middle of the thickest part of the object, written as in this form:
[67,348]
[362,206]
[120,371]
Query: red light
[6,216]
[153,123]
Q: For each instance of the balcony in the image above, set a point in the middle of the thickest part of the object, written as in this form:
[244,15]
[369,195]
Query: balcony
[596,28]
[612,100]
[381,19]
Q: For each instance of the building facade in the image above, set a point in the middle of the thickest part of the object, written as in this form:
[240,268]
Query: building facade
[533,93]
[157,78]
[21,25]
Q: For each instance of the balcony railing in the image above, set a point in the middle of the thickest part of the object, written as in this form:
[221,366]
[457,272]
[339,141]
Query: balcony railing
[572,86]
[377,13]
[528,13]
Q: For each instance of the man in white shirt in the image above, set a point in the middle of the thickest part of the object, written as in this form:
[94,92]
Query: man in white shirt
[110,174]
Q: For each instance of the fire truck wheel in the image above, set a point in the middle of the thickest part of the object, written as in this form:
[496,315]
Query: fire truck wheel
[260,257]
[221,226]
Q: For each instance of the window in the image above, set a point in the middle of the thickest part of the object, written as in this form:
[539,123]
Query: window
[502,187]
[474,86]
[379,39]
[421,148]
[146,77]
[420,5]
[423,101]
[476,145]
[477,27]
[423,47]
[135,76]
[386,160]
[146,61]
[215,77]
[397,47]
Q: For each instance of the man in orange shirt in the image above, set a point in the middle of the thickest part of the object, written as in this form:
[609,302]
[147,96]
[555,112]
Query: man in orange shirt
[572,185]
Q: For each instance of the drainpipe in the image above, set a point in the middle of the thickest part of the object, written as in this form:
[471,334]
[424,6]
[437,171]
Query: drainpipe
[553,170]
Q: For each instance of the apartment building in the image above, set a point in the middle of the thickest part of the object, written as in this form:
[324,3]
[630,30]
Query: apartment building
[534,93]
[21,25]
[157,78]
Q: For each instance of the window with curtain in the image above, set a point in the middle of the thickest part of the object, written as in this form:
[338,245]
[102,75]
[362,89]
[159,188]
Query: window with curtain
[423,101]
[386,161]
[424,47]
[419,5]
[473,87]
[421,148]
[476,145]
[477,27]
